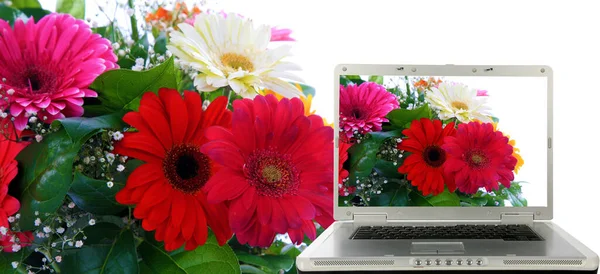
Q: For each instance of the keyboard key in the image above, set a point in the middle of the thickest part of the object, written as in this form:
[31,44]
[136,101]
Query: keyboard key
[490,232]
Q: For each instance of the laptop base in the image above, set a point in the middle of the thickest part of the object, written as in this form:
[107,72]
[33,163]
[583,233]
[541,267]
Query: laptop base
[454,271]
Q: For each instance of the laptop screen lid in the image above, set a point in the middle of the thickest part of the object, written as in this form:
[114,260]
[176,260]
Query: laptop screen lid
[443,142]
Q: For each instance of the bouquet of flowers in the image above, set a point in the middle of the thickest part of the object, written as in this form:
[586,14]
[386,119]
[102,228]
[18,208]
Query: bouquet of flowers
[423,141]
[179,142]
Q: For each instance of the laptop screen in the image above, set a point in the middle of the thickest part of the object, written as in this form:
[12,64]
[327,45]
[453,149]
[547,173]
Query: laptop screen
[442,141]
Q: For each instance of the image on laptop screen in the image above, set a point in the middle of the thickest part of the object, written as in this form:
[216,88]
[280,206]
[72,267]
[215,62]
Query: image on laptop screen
[442,141]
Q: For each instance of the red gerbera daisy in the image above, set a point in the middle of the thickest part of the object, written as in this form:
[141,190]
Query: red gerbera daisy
[477,156]
[277,170]
[363,108]
[424,139]
[168,189]
[48,66]
[9,149]
[343,174]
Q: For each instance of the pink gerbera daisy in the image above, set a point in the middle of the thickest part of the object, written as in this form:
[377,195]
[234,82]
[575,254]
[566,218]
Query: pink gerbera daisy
[363,108]
[477,156]
[46,67]
[277,170]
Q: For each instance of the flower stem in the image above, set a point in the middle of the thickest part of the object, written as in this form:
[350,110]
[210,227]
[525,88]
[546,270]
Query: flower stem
[134,28]
[53,263]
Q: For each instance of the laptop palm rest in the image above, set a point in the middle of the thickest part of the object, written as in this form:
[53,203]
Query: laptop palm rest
[437,248]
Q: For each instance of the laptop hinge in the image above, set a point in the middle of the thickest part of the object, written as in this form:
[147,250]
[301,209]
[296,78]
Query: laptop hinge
[517,218]
[370,218]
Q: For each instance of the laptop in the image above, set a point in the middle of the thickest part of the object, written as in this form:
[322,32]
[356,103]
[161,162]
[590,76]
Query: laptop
[444,168]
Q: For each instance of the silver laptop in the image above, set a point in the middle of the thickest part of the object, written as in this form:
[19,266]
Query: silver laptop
[444,168]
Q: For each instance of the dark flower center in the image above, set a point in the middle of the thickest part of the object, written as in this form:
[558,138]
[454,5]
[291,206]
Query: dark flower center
[476,159]
[272,173]
[37,80]
[434,156]
[356,113]
[186,168]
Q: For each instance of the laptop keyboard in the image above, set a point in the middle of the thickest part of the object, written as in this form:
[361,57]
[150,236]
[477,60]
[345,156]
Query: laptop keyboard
[500,232]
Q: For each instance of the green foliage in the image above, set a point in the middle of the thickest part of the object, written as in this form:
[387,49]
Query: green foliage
[22,4]
[10,14]
[363,156]
[307,90]
[266,263]
[6,258]
[209,258]
[107,249]
[73,7]
[350,79]
[401,118]
[109,32]
[79,128]
[394,193]
[160,43]
[376,79]
[122,89]
[138,50]
[445,198]
[36,13]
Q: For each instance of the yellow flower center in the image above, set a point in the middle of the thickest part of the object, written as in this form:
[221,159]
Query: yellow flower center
[477,159]
[460,105]
[271,174]
[237,61]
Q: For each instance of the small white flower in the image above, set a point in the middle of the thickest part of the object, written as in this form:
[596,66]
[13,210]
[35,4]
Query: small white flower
[160,58]
[139,62]
[3,230]
[44,260]
[36,213]
[58,259]
[118,136]
[70,243]
[120,168]
[79,244]
[115,45]
[110,184]
[86,160]
[53,244]
[71,205]
[168,53]
[47,229]
[130,12]
[30,272]
[16,247]
[39,138]
[137,68]
[33,120]
[40,235]
[150,50]
[3,114]
[18,215]
[110,157]
[37,222]
[10,91]
[129,41]
[14,264]
[60,230]
[92,222]
[11,219]
[121,53]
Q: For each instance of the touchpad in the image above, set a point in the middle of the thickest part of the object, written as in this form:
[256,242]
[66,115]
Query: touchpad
[437,248]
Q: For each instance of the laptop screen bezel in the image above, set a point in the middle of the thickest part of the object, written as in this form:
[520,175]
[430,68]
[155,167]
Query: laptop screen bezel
[444,213]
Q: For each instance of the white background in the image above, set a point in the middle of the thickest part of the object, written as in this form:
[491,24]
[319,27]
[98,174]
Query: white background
[562,34]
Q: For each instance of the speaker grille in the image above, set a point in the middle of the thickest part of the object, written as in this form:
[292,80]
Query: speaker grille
[543,262]
[352,262]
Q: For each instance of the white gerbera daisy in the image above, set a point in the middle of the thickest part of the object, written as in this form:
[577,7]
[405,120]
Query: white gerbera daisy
[230,51]
[455,100]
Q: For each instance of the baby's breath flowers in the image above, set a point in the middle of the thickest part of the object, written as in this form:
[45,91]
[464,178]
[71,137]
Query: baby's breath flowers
[96,159]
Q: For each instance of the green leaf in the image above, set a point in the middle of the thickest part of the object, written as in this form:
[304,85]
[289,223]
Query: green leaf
[22,4]
[401,118]
[11,15]
[279,262]
[252,259]
[376,79]
[73,7]
[473,201]
[6,258]
[94,196]
[356,79]
[208,258]
[109,32]
[515,196]
[363,156]
[160,43]
[158,260]
[445,198]
[248,269]
[46,177]
[104,251]
[387,169]
[138,50]
[122,89]
[79,128]
[417,199]
[37,13]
